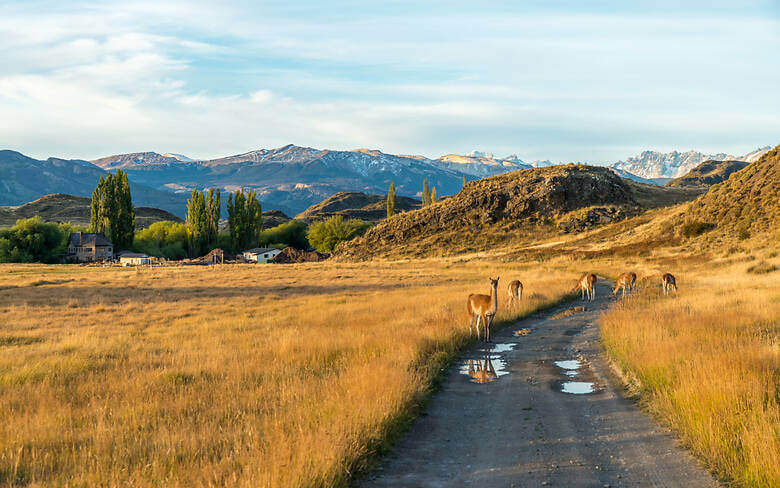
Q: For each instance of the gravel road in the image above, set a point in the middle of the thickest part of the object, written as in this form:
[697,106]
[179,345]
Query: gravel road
[504,418]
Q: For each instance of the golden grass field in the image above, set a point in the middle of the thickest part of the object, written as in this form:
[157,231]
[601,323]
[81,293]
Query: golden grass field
[706,361]
[236,375]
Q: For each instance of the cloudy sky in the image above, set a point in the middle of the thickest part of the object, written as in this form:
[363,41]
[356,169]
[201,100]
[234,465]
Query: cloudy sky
[542,79]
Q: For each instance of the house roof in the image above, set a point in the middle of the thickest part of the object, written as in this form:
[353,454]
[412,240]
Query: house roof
[128,254]
[84,239]
[259,250]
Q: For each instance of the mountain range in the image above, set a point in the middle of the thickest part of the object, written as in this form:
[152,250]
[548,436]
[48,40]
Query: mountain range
[292,178]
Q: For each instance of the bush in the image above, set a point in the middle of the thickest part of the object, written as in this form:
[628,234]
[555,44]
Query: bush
[33,240]
[292,233]
[695,228]
[164,239]
[327,234]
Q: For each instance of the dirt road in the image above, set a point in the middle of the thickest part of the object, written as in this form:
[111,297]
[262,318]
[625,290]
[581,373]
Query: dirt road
[538,410]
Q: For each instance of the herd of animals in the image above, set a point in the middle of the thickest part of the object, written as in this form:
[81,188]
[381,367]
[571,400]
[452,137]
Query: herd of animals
[483,308]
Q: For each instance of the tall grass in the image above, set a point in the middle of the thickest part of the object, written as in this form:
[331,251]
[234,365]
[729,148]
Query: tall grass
[273,376]
[708,362]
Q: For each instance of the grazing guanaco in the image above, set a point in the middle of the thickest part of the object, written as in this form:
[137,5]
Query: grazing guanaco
[587,284]
[626,280]
[515,292]
[668,282]
[482,307]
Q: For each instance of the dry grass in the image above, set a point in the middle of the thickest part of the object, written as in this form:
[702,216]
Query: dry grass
[708,362]
[273,376]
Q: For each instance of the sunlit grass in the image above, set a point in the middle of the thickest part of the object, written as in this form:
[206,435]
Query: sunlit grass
[708,362]
[275,376]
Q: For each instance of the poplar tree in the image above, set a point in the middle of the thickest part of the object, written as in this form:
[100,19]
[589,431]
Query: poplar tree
[464,181]
[111,210]
[391,200]
[197,224]
[213,211]
[245,219]
[433,195]
[426,193]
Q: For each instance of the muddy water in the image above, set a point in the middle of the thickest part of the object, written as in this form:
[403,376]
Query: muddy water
[487,365]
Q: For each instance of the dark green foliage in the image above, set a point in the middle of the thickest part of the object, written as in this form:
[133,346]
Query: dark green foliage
[245,219]
[292,233]
[695,228]
[33,240]
[203,211]
[328,234]
[164,239]
[213,210]
[111,210]
[391,200]
[426,194]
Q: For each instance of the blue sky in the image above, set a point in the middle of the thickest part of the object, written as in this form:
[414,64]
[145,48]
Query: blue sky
[585,81]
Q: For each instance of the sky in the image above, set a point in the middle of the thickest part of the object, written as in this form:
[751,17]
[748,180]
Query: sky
[593,81]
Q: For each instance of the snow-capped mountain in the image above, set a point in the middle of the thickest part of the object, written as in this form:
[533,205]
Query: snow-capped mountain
[479,164]
[652,164]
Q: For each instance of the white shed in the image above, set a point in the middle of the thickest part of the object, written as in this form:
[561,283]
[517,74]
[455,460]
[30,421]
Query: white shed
[260,254]
[133,259]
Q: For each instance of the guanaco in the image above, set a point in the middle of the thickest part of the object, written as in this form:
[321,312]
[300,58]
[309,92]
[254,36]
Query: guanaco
[483,307]
[668,282]
[626,280]
[515,292]
[587,284]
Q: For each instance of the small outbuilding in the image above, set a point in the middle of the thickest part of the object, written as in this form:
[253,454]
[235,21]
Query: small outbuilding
[127,258]
[260,254]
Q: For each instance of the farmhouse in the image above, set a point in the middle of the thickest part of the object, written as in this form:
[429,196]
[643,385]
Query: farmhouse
[127,258]
[84,247]
[260,254]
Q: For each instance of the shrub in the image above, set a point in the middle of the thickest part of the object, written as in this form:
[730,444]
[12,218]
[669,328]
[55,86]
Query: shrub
[762,267]
[33,240]
[292,233]
[327,234]
[164,239]
[695,228]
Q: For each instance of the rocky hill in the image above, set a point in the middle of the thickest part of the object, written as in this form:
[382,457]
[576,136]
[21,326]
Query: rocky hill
[356,205]
[61,207]
[747,202]
[708,173]
[508,207]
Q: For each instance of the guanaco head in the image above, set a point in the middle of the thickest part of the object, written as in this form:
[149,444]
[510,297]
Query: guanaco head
[494,283]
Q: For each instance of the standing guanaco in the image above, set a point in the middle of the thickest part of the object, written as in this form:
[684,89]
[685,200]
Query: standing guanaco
[626,280]
[668,282]
[587,284]
[482,307]
[515,292]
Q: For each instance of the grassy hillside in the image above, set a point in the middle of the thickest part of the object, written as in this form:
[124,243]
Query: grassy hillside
[356,205]
[517,207]
[708,173]
[748,202]
[69,208]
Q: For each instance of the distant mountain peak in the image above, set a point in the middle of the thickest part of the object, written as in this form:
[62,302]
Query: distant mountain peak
[180,157]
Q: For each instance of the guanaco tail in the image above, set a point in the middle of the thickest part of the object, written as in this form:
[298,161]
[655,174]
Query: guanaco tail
[514,292]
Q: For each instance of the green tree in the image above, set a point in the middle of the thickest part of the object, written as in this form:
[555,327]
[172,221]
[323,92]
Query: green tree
[197,224]
[33,240]
[433,195]
[245,219]
[111,210]
[163,239]
[426,193]
[292,233]
[327,234]
[391,200]
[213,211]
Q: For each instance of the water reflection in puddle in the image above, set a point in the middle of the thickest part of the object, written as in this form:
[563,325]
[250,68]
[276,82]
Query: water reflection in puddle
[503,347]
[488,366]
[577,387]
[570,364]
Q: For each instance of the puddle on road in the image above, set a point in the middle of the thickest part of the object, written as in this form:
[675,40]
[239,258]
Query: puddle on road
[571,369]
[577,387]
[488,366]
[568,364]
